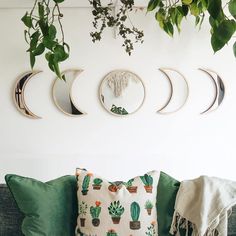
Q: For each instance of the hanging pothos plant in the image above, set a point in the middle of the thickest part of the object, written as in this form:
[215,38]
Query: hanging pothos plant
[169,15]
[42,35]
[45,34]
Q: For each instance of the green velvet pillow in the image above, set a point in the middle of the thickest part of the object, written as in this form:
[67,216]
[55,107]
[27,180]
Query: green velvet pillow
[50,208]
[166,194]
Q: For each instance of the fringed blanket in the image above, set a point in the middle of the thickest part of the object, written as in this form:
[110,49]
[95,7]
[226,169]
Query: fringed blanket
[203,206]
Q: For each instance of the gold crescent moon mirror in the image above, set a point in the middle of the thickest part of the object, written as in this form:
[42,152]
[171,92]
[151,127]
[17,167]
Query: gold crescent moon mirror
[179,91]
[19,94]
[62,94]
[122,92]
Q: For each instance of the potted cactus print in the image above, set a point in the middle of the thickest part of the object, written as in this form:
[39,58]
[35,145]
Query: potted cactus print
[97,183]
[129,186]
[148,182]
[148,207]
[135,212]
[82,213]
[95,212]
[116,210]
[151,231]
[112,232]
[113,187]
[85,184]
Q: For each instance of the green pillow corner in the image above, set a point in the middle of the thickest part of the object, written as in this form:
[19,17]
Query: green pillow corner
[166,193]
[50,208]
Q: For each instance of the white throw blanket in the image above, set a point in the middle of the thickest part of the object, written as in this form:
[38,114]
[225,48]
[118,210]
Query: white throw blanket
[203,206]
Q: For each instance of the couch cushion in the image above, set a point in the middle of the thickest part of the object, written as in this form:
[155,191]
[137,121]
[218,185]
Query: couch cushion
[167,190]
[123,208]
[50,208]
[10,216]
[232,223]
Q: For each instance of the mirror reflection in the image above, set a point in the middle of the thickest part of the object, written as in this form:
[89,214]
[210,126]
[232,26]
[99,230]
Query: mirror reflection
[122,92]
[18,94]
[62,94]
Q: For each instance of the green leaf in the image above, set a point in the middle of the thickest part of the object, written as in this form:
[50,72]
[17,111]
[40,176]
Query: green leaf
[34,40]
[43,26]
[194,9]
[187,2]
[60,54]
[234,48]
[185,10]
[32,60]
[123,18]
[153,4]
[27,20]
[39,50]
[232,8]
[168,28]
[41,10]
[48,43]
[222,34]
[160,17]
[214,8]
[197,20]
[52,32]
[204,5]
[47,55]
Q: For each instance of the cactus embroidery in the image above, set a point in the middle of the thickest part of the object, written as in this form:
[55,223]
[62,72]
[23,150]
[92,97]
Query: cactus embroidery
[148,182]
[111,232]
[115,186]
[151,231]
[129,186]
[97,183]
[85,184]
[116,210]
[148,207]
[95,212]
[83,207]
[135,213]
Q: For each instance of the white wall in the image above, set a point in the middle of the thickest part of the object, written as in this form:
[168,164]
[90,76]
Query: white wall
[183,144]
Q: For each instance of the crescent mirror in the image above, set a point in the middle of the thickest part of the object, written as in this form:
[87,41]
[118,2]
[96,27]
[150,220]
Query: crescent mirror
[62,94]
[219,89]
[122,92]
[178,91]
[19,94]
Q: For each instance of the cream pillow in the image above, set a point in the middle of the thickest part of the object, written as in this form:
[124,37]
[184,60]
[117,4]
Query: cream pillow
[117,208]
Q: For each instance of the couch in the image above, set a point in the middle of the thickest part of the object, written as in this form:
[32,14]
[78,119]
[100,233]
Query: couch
[11,218]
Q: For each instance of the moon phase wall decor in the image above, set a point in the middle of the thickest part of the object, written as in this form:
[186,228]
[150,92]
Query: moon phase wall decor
[174,102]
[62,93]
[219,90]
[19,97]
[122,92]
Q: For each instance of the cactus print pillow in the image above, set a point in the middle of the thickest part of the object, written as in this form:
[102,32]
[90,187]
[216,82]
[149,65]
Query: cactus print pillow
[117,208]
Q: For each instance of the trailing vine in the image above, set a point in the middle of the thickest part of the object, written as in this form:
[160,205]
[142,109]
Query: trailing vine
[45,35]
[43,23]
[169,15]
[104,17]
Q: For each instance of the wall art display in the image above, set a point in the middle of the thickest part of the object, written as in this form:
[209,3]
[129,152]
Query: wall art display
[19,97]
[179,91]
[62,93]
[122,92]
[219,90]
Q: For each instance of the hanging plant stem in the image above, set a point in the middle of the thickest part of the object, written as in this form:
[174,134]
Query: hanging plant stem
[104,17]
[169,15]
[43,23]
